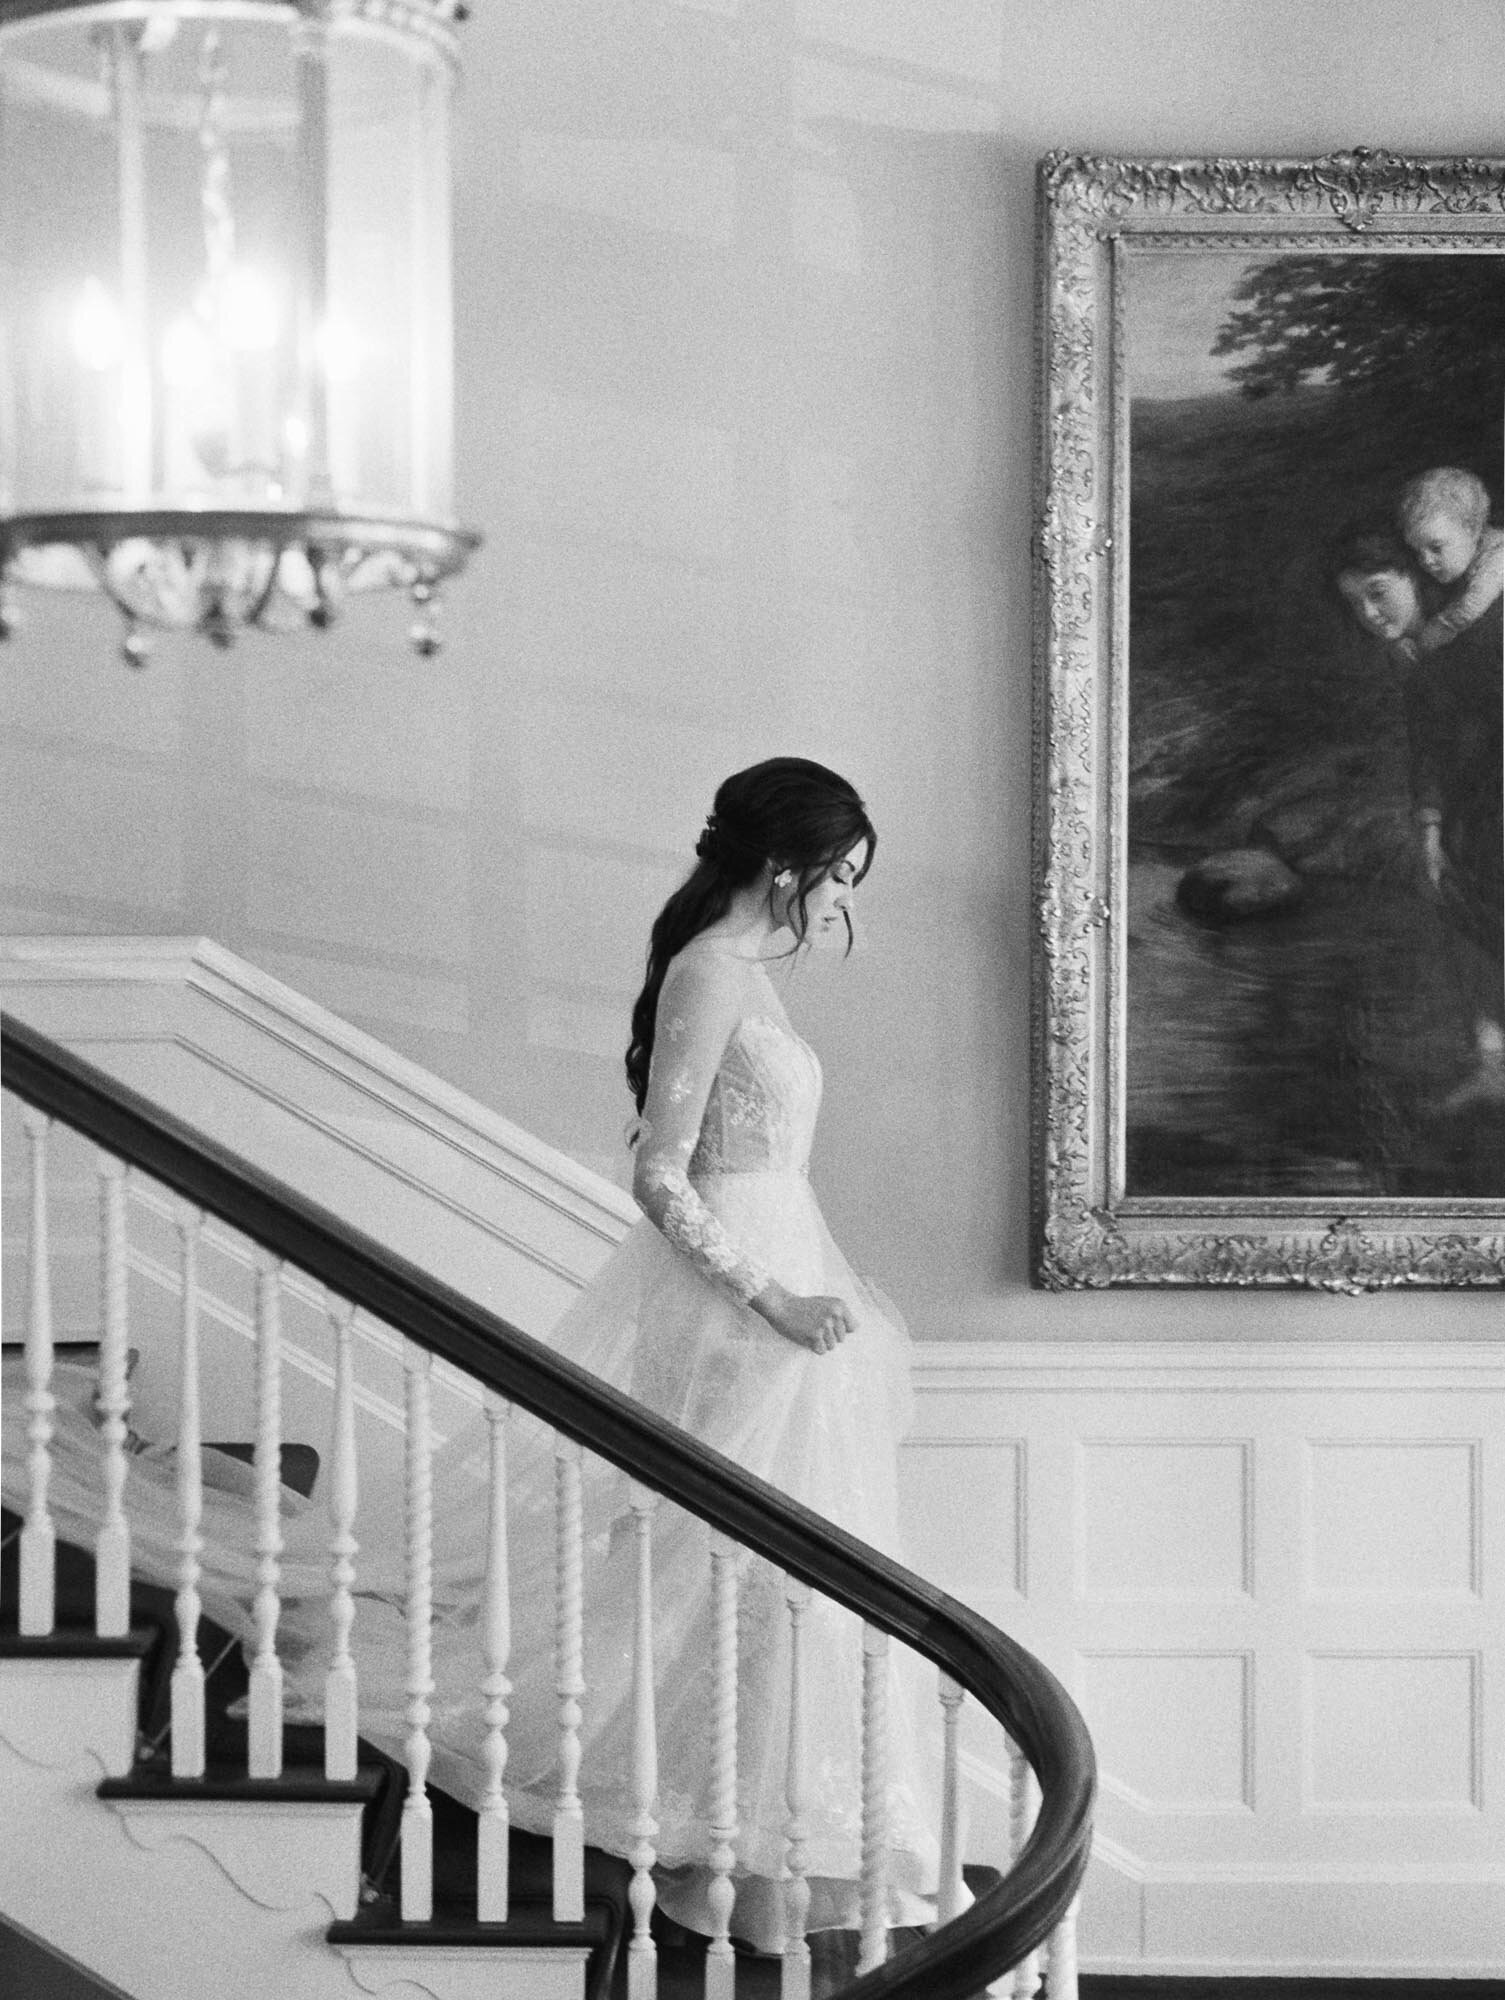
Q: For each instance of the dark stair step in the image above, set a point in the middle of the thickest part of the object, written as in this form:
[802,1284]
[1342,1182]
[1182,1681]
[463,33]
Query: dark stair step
[530,1895]
[299,1784]
[152,1623]
[528,1923]
[74,1643]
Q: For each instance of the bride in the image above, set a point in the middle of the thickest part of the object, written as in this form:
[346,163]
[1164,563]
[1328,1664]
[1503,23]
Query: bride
[728,1310]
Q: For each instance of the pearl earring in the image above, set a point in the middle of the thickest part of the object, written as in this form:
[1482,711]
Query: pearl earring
[783,878]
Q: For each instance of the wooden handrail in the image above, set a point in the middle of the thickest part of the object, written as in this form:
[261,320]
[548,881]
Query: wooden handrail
[1003,1926]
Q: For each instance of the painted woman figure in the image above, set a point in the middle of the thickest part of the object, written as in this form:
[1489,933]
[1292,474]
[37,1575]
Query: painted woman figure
[1453,702]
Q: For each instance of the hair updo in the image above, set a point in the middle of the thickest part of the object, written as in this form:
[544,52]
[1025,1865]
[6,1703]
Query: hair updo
[787,813]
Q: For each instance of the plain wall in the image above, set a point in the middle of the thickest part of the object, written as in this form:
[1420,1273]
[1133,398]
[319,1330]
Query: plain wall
[745,379]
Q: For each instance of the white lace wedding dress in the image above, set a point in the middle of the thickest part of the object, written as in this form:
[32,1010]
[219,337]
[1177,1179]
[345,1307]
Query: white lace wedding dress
[722,1172]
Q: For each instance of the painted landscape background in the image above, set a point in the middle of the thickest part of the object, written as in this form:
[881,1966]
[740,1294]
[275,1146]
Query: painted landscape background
[1310,1051]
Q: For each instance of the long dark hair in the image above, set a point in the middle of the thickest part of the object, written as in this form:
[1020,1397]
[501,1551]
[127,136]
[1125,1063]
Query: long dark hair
[787,811]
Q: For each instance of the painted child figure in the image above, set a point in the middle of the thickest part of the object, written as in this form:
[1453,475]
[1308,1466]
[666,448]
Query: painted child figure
[1443,517]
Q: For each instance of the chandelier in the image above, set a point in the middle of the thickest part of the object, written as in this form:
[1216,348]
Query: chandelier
[225,344]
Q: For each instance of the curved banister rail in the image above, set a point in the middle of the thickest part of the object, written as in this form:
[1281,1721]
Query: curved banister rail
[1004,1925]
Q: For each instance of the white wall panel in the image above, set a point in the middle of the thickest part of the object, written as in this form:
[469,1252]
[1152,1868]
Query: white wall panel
[1173,1731]
[1164,1518]
[1393,1517]
[1395,1732]
[1263,1570]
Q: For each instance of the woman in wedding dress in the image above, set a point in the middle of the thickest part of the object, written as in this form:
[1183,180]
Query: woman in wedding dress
[728,1310]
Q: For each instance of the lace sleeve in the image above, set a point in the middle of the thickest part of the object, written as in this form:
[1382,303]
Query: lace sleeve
[697,1011]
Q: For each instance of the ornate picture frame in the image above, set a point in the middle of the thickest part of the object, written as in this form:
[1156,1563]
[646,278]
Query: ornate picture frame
[1267,910]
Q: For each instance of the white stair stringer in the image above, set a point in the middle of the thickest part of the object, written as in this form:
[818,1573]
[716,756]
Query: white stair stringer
[462,1972]
[174,1899]
[274,1852]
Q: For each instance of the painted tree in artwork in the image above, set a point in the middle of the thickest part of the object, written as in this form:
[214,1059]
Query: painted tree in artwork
[1420,337]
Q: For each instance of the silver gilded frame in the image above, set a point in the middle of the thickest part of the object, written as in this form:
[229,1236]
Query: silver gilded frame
[1086,1232]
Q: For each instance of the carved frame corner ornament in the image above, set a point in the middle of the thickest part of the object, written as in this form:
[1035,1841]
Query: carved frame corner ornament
[1093,213]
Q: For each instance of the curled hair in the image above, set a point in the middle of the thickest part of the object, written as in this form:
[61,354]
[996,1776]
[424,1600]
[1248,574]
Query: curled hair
[786,813]
[1444,489]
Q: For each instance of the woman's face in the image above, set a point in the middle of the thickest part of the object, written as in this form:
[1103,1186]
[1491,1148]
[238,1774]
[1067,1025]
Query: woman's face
[1385,603]
[830,898]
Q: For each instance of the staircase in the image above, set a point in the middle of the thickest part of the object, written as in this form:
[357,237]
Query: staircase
[286,1846]
[293,1858]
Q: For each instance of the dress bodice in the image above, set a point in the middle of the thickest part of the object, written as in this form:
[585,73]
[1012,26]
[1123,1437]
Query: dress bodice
[732,1092]
[760,1114]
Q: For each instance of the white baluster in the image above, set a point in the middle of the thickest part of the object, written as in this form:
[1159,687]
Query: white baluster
[720,1960]
[875,1828]
[496,1638]
[112,1549]
[642,1957]
[340,1710]
[417,1894]
[1024,1981]
[38,1537]
[188,1672]
[950,1891]
[1060,1961]
[569,1685]
[794,1978]
[265,1737]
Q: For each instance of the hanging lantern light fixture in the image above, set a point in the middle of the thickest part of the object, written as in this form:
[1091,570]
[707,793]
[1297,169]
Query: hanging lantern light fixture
[225,343]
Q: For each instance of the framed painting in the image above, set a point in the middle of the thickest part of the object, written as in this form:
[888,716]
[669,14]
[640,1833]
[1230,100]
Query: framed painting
[1270,992]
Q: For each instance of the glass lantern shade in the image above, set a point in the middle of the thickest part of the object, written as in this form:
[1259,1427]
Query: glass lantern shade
[225,342]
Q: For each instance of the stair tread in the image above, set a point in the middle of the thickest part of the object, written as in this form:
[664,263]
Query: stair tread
[530,1923]
[298,1784]
[76,1642]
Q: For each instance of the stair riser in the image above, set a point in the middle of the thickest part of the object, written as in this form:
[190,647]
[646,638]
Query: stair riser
[165,1925]
[55,1712]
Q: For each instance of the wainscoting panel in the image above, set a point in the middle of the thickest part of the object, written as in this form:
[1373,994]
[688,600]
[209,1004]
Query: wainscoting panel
[1393,1732]
[1393,1517]
[1175,1729]
[1164,1520]
[1269,1574]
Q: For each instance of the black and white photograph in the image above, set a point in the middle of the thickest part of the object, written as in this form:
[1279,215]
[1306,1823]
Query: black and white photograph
[752,1148]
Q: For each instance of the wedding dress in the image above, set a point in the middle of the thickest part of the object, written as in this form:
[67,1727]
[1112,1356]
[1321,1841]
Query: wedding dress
[722,1157]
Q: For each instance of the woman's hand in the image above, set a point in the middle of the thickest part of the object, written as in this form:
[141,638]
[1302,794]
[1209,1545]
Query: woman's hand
[820,1323]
